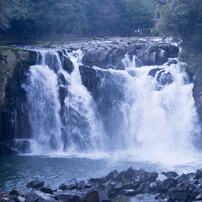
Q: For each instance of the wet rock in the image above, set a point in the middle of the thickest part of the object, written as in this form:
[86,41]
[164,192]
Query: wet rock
[82,184]
[46,190]
[103,195]
[198,173]
[161,57]
[112,175]
[176,195]
[167,183]
[68,198]
[183,178]
[61,79]
[165,78]
[170,174]
[92,196]
[144,188]
[118,186]
[68,65]
[97,180]
[17,192]
[39,197]
[35,184]
[154,71]
[70,184]
[138,62]
[199,197]
[170,62]
[173,51]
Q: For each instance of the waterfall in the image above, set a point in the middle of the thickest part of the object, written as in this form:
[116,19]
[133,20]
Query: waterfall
[62,114]
[147,112]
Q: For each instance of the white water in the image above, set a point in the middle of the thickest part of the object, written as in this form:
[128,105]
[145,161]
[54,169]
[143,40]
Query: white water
[158,125]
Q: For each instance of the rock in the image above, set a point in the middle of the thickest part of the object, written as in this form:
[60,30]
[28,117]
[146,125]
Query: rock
[170,174]
[68,65]
[153,188]
[173,51]
[35,184]
[127,175]
[176,195]
[97,180]
[161,57]
[165,78]
[153,72]
[82,184]
[170,62]
[92,196]
[183,178]
[118,187]
[138,62]
[46,190]
[17,192]
[38,196]
[112,175]
[70,184]
[199,197]
[144,188]
[103,195]
[167,183]
[61,79]
[68,198]
[198,173]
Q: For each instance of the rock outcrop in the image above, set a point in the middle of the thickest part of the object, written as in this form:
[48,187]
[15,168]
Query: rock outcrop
[14,63]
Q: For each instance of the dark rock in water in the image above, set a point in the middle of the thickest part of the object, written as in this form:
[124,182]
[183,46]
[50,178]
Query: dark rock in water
[68,65]
[70,184]
[16,192]
[199,197]
[154,71]
[153,188]
[35,184]
[46,190]
[82,184]
[138,62]
[198,173]
[170,174]
[173,51]
[97,180]
[167,183]
[165,78]
[152,176]
[161,57]
[68,198]
[144,188]
[172,62]
[38,196]
[103,195]
[61,79]
[128,185]
[183,178]
[176,195]
[118,187]
[112,175]
[62,94]
[92,196]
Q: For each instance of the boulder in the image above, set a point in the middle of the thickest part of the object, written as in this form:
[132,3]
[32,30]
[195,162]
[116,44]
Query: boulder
[70,184]
[92,196]
[112,175]
[170,174]
[46,190]
[35,184]
[167,183]
[67,65]
[39,197]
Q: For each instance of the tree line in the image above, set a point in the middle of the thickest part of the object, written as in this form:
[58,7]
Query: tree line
[50,18]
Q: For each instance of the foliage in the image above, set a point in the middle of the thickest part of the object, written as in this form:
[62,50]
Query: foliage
[49,18]
[10,10]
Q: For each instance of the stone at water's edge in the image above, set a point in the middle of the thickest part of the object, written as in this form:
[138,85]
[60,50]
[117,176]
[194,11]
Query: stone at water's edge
[128,184]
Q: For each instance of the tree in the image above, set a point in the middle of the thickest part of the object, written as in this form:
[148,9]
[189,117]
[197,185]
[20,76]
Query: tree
[10,10]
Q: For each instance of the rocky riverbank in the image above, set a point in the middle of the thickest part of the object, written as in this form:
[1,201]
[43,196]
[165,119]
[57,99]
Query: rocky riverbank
[127,185]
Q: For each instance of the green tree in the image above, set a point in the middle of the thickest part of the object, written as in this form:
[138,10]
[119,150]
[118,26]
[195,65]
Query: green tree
[10,10]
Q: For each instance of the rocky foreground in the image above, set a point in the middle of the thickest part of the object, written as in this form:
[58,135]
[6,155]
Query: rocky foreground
[128,185]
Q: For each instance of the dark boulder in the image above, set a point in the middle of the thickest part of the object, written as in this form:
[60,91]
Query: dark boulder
[39,197]
[144,188]
[165,78]
[153,72]
[128,192]
[35,184]
[92,196]
[46,190]
[82,184]
[17,192]
[176,195]
[170,174]
[70,184]
[167,183]
[173,51]
[112,175]
[68,65]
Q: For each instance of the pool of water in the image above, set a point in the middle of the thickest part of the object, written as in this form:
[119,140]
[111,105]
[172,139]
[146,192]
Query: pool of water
[17,171]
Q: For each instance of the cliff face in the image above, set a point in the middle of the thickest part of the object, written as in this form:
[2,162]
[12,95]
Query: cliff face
[13,64]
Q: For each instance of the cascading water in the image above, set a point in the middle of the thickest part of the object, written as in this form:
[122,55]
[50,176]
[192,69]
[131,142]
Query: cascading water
[61,111]
[146,113]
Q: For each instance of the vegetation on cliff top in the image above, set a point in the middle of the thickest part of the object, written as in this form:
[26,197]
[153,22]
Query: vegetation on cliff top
[51,18]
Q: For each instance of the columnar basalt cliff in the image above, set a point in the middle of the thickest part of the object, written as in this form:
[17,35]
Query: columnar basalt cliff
[14,63]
